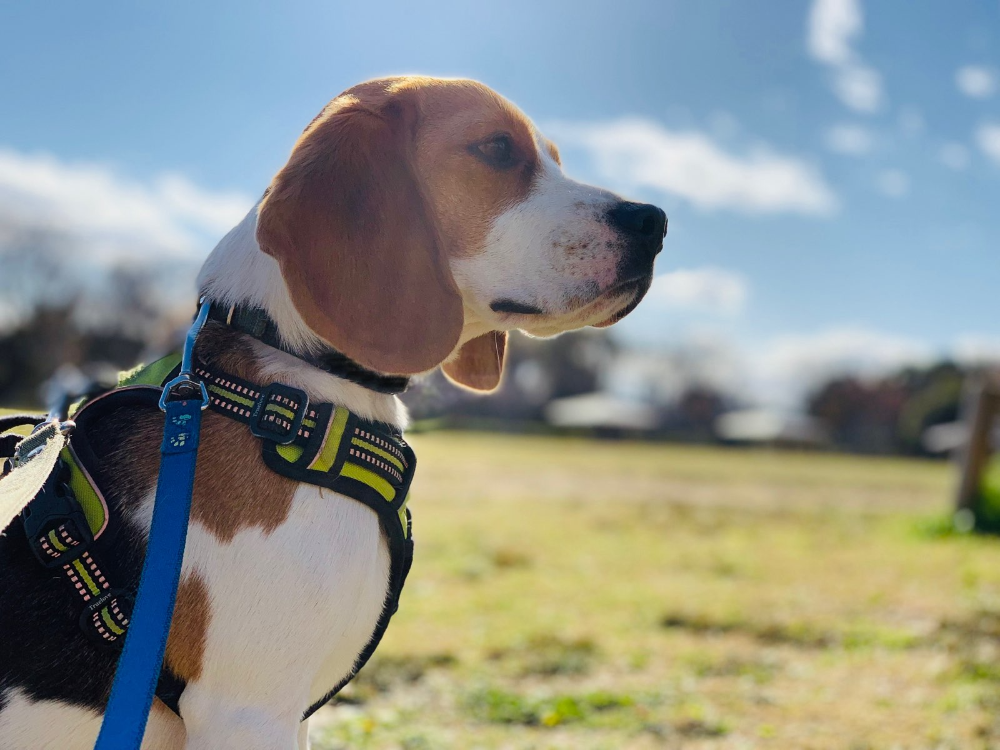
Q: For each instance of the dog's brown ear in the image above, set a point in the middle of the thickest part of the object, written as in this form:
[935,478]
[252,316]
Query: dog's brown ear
[358,249]
[479,363]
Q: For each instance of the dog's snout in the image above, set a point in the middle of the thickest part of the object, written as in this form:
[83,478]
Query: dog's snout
[640,220]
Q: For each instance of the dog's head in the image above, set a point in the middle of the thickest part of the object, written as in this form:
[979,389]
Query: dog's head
[418,220]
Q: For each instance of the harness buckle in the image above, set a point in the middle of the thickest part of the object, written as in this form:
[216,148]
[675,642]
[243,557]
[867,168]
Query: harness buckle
[55,524]
[278,413]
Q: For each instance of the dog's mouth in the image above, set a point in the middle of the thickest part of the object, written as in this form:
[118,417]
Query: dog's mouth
[514,307]
[634,290]
[631,290]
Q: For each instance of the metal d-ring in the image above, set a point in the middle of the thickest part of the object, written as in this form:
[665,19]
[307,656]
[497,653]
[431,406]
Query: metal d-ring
[184,387]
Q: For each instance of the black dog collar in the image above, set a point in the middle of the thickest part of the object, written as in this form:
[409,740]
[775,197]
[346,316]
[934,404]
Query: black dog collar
[255,322]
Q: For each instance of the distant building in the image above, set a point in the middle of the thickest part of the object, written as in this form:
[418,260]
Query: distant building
[603,413]
[943,439]
[768,427]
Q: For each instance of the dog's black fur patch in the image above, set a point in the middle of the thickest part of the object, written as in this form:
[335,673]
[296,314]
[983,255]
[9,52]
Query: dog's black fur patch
[43,650]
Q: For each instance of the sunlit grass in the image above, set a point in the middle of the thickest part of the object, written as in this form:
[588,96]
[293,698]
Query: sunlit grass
[614,595]
[575,594]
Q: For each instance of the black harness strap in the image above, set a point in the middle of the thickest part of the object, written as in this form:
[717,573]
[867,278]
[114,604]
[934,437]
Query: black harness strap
[60,537]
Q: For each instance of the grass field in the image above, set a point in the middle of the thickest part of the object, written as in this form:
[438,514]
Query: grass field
[571,594]
[574,594]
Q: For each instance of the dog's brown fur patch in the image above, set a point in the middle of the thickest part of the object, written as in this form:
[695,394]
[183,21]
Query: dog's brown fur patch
[186,643]
[233,488]
[466,193]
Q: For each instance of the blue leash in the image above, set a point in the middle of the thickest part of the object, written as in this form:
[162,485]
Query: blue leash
[139,666]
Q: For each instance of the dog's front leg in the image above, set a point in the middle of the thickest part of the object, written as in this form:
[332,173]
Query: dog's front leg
[218,722]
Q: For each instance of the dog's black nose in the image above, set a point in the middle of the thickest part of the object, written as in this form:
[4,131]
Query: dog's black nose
[644,224]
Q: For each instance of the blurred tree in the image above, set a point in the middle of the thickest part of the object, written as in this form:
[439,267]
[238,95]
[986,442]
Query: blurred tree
[860,416]
[935,397]
[889,415]
[51,319]
[31,352]
[694,415]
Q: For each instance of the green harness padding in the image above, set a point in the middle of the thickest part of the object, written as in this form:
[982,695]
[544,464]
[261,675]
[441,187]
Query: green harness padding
[320,444]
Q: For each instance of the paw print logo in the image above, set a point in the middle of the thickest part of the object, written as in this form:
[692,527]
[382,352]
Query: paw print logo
[180,439]
[181,420]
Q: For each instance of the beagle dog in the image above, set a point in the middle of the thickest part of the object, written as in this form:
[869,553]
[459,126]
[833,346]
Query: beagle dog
[416,222]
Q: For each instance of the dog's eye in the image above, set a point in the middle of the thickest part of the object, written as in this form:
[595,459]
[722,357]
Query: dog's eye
[497,151]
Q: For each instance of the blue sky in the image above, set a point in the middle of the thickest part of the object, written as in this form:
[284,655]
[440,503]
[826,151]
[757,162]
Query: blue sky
[831,169]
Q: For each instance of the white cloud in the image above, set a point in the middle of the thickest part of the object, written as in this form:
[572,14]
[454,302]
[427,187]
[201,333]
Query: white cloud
[834,25]
[853,140]
[860,351]
[711,290]
[702,358]
[638,153]
[988,138]
[976,81]
[109,216]
[777,372]
[954,156]
[893,183]
[859,87]
[787,367]
[977,349]
[215,212]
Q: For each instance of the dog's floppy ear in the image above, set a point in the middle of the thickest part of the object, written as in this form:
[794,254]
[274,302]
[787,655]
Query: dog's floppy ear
[479,363]
[358,248]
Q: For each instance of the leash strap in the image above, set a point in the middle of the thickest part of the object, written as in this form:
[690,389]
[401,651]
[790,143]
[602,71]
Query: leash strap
[139,666]
[127,712]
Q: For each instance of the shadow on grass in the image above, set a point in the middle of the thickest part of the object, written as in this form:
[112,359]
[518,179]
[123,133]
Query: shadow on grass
[547,655]
[797,634]
[384,674]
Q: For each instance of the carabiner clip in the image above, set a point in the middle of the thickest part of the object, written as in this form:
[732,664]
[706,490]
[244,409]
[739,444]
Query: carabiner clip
[184,387]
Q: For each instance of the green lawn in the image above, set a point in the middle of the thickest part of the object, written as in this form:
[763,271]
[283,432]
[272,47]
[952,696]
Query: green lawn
[571,594]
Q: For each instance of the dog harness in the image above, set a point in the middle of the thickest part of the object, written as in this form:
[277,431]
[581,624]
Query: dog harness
[71,528]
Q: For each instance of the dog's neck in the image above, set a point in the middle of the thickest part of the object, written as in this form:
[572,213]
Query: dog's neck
[237,272]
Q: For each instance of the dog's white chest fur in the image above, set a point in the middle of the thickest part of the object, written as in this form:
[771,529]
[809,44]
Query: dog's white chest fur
[290,612]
